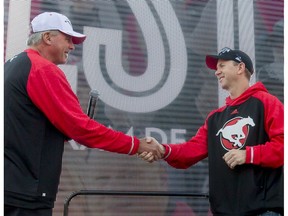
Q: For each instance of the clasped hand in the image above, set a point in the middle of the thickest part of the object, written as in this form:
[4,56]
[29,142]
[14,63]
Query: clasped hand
[150,149]
[235,157]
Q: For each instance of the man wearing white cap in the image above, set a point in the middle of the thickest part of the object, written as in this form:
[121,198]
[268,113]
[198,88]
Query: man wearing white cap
[41,112]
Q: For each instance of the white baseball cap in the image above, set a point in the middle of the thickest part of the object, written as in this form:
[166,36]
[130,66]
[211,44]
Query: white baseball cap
[55,21]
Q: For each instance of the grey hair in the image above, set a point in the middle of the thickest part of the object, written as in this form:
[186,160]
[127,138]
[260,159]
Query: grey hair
[36,38]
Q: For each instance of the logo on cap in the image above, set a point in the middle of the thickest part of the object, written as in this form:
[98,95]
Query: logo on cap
[238,58]
[68,21]
[224,50]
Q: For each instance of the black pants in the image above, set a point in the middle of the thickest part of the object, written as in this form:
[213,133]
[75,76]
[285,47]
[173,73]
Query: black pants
[16,211]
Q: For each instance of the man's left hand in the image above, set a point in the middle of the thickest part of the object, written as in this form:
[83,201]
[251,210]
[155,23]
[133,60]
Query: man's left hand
[235,157]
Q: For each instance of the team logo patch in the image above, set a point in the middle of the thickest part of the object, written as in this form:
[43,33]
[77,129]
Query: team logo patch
[234,132]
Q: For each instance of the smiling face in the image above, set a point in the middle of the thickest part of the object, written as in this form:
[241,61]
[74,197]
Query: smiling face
[227,73]
[59,46]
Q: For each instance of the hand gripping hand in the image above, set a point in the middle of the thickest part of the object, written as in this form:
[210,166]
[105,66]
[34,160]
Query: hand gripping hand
[150,150]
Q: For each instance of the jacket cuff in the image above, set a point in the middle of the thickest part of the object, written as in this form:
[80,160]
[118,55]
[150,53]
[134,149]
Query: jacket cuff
[167,152]
[134,145]
[250,155]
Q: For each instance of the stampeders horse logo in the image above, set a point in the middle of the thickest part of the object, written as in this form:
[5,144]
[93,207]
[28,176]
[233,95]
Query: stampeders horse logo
[234,132]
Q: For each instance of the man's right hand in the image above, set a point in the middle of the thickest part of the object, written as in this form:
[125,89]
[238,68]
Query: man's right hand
[150,150]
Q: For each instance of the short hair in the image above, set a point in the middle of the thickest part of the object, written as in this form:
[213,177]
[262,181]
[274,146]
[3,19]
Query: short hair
[247,72]
[36,38]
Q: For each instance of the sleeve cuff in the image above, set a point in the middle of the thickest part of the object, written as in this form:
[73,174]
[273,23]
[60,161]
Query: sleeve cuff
[134,145]
[250,155]
[167,152]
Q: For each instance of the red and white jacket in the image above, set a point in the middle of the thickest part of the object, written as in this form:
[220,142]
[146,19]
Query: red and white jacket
[255,122]
[40,112]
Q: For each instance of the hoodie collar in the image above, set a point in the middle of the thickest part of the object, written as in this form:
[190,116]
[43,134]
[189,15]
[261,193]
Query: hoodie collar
[245,95]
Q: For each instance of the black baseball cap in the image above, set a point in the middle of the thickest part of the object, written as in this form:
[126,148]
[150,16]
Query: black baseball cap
[228,54]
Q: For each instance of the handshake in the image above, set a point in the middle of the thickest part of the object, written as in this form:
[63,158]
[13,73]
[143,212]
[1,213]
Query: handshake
[150,149]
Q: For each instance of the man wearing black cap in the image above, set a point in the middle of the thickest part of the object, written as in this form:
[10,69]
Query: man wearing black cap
[41,112]
[244,142]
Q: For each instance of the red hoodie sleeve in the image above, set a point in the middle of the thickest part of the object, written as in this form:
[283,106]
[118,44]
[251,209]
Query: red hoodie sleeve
[186,154]
[271,153]
[50,91]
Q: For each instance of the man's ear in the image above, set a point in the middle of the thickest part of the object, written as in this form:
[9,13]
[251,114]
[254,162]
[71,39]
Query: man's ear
[46,37]
[241,67]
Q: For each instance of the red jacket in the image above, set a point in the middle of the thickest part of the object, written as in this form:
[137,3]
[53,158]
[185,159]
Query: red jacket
[40,112]
[254,121]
